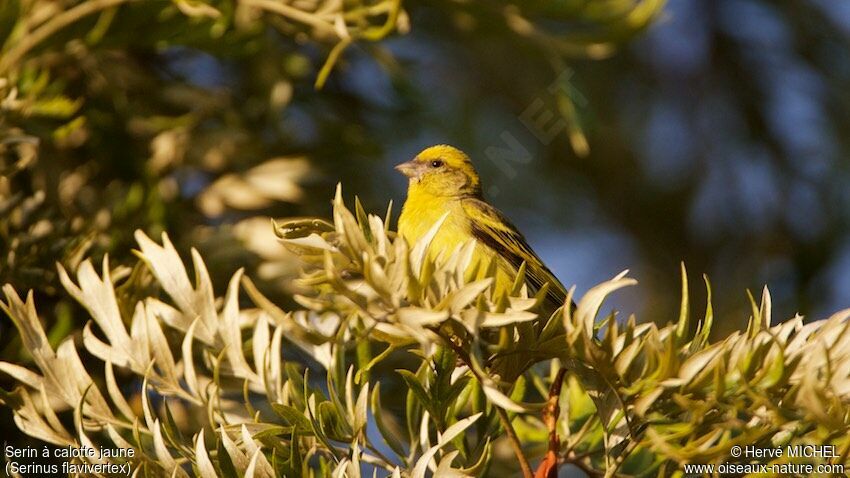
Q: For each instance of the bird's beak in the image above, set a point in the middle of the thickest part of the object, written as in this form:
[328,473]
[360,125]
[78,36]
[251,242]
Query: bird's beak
[412,169]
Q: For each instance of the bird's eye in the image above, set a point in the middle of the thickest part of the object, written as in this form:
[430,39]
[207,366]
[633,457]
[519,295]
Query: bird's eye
[436,164]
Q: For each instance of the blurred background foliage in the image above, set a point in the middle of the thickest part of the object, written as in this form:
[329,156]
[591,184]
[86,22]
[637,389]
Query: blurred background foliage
[204,119]
[712,131]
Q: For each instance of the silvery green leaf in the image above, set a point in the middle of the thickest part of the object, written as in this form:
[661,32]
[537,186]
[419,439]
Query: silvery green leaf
[22,374]
[499,399]
[163,456]
[84,440]
[626,357]
[231,333]
[31,421]
[260,347]
[445,470]
[117,439]
[394,335]
[98,297]
[116,395]
[361,409]
[251,471]
[590,303]
[765,311]
[247,440]
[171,317]
[71,377]
[478,468]
[421,317]
[453,431]
[301,227]
[141,345]
[378,229]
[389,436]
[419,252]
[684,309]
[784,330]
[169,270]
[457,262]
[102,350]
[25,318]
[240,460]
[346,224]
[520,303]
[261,467]
[645,401]
[495,319]
[189,373]
[376,277]
[275,374]
[463,297]
[313,241]
[161,351]
[697,362]
[425,437]
[342,468]
[202,459]
[49,413]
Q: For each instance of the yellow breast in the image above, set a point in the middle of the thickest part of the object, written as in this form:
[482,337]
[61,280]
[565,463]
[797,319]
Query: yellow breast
[419,215]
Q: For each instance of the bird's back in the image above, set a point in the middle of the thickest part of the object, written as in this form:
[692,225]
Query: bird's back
[495,231]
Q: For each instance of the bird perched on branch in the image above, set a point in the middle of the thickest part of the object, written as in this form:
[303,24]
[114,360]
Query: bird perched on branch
[443,181]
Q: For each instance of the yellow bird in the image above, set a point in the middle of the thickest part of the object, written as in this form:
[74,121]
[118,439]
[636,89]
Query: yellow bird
[443,180]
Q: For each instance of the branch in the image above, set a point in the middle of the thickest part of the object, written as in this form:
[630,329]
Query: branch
[549,467]
[60,21]
[294,14]
[513,439]
[578,462]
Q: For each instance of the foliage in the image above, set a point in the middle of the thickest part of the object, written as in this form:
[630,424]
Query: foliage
[118,115]
[203,118]
[223,391]
[115,131]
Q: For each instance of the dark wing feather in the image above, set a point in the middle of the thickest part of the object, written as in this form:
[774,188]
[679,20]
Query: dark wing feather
[491,228]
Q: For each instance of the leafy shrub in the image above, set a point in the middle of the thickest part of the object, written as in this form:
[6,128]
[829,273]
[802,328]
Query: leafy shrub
[171,115]
[225,388]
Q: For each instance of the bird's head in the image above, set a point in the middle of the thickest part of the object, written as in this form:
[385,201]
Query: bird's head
[442,171]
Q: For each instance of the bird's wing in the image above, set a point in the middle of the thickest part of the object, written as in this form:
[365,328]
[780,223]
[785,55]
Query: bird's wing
[493,229]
